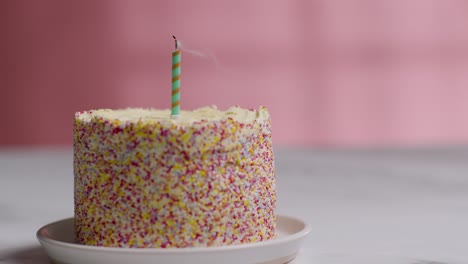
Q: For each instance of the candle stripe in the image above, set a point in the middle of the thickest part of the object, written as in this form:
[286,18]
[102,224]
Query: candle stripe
[176,104]
[174,79]
[175,66]
[176,91]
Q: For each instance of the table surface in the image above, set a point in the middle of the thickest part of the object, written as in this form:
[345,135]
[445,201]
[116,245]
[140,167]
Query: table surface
[380,205]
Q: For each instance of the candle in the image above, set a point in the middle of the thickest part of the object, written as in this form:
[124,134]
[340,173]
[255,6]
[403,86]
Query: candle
[176,58]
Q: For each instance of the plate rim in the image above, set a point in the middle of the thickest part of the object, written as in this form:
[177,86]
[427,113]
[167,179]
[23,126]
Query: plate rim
[43,238]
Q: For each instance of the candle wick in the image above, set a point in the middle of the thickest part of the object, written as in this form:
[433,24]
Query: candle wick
[175,39]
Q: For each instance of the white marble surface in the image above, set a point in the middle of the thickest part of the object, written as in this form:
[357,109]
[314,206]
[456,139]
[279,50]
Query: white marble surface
[365,206]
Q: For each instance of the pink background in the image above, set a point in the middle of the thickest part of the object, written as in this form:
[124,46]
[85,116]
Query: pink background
[332,73]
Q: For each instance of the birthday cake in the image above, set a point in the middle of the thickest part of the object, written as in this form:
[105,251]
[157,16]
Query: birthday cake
[145,180]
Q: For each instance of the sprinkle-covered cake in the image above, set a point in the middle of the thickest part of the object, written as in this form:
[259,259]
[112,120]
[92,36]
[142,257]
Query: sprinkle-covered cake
[145,180]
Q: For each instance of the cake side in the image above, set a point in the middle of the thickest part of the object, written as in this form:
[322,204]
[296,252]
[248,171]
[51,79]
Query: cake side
[149,181]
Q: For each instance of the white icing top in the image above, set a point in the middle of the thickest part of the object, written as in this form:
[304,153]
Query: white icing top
[186,117]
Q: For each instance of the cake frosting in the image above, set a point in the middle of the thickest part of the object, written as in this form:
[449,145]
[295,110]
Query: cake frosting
[145,180]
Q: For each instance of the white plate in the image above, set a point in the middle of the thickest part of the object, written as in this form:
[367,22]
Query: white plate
[58,241]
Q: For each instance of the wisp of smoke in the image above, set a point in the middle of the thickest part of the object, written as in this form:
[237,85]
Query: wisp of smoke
[205,55]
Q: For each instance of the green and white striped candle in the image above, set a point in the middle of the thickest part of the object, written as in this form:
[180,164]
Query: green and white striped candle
[176,59]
